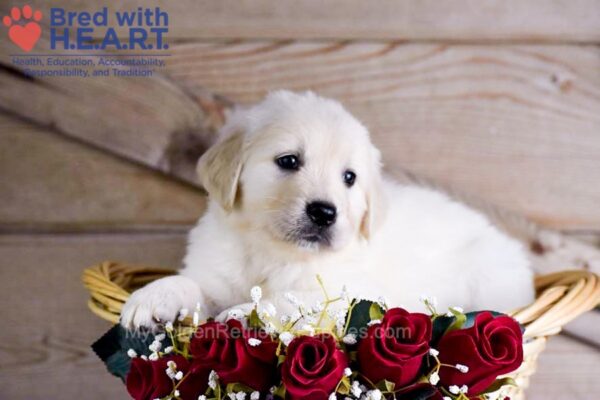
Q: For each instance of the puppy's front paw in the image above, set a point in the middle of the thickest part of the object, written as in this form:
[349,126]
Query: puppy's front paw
[159,302]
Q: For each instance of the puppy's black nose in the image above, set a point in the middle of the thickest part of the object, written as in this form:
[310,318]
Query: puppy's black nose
[321,213]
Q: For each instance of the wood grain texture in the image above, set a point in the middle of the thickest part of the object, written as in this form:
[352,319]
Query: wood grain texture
[50,182]
[566,370]
[46,326]
[149,120]
[449,20]
[515,124]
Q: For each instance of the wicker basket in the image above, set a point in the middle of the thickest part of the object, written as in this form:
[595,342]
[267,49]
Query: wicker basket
[561,297]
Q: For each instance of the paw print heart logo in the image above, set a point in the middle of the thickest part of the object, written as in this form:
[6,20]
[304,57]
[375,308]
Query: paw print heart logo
[23,27]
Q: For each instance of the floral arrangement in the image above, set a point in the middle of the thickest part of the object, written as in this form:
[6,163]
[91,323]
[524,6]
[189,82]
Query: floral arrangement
[355,349]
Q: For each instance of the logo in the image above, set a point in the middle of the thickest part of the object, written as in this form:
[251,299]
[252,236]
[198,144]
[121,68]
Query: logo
[23,27]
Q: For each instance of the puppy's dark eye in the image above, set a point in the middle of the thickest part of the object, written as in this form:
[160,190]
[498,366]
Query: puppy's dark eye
[289,162]
[349,178]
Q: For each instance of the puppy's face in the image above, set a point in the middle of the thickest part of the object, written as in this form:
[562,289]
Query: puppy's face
[306,174]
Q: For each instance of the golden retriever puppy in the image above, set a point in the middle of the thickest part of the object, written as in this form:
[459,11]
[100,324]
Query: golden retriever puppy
[296,190]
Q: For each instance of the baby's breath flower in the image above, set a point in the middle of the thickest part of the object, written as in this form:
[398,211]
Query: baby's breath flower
[240,396]
[355,389]
[160,337]
[256,294]
[176,393]
[179,375]
[202,397]
[462,368]
[286,337]
[131,353]
[432,301]
[212,380]
[168,349]
[293,300]
[169,326]
[349,339]
[254,342]
[433,352]
[155,346]
[374,394]
[373,322]
[332,396]
[153,356]
[270,328]
[143,357]
[255,395]
[434,378]
[347,371]
[454,389]
[464,389]
[318,307]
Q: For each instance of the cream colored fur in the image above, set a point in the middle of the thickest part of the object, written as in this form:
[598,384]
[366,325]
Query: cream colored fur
[389,240]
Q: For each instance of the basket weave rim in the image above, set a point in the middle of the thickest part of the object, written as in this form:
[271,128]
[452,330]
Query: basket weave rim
[562,296]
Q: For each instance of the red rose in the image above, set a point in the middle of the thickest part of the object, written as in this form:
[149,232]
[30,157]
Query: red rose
[148,380]
[491,347]
[394,349]
[312,368]
[227,349]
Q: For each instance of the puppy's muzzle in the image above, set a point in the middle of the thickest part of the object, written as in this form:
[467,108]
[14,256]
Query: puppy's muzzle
[322,214]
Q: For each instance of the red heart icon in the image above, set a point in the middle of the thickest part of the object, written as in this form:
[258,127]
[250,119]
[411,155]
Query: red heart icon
[25,36]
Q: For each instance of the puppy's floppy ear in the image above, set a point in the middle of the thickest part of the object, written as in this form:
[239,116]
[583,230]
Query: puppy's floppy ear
[219,169]
[376,204]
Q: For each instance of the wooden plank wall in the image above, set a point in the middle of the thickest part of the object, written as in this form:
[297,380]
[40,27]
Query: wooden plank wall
[500,99]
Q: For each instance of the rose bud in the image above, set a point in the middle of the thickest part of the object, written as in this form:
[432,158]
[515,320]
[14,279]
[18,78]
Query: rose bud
[491,347]
[313,367]
[236,354]
[148,380]
[394,349]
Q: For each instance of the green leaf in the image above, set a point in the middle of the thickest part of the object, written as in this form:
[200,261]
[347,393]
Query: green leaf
[238,387]
[112,348]
[280,359]
[254,320]
[458,322]
[344,386]
[440,326]
[376,312]
[280,392]
[359,317]
[385,386]
[498,384]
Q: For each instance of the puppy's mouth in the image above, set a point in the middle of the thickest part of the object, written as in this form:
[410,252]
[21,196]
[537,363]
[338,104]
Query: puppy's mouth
[311,237]
[322,238]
